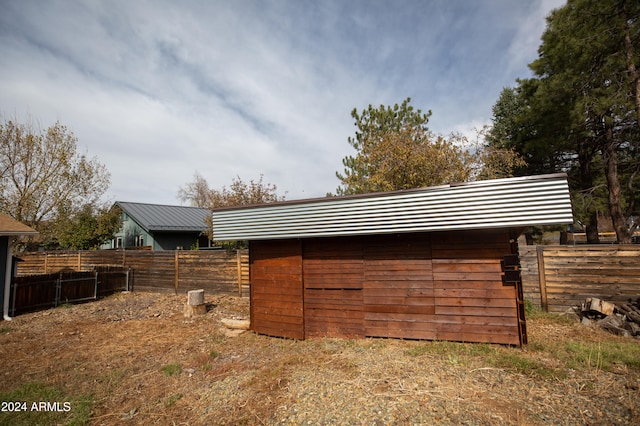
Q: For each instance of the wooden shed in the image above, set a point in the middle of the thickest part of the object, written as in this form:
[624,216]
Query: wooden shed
[437,263]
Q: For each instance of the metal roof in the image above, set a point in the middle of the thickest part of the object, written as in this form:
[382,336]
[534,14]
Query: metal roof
[498,203]
[157,217]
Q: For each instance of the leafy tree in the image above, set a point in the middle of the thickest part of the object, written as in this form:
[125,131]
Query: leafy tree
[88,228]
[395,150]
[534,120]
[239,193]
[41,172]
[494,162]
[591,49]
[580,112]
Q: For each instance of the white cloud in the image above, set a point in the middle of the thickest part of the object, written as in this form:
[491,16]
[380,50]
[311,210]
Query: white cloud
[158,90]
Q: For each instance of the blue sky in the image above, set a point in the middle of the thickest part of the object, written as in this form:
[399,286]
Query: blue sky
[158,90]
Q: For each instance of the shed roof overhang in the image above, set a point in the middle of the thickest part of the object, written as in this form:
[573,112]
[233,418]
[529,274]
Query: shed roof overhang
[499,203]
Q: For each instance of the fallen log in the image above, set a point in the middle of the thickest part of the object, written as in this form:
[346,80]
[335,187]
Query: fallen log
[614,324]
[630,311]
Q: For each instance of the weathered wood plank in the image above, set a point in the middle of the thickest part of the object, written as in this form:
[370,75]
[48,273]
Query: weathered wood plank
[477,310]
[475,293]
[506,337]
[388,308]
[495,284]
[464,276]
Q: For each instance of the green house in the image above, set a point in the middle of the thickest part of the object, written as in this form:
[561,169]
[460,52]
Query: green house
[160,227]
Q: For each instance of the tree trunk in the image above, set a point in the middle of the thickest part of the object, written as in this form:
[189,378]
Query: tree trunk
[528,236]
[634,75]
[591,229]
[564,238]
[585,156]
[613,182]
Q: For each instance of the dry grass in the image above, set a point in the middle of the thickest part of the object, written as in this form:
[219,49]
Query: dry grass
[134,359]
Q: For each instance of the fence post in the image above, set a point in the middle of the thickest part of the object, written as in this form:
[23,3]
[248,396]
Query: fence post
[239,267]
[13,301]
[58,290]
[177,276]
[542,279]
[95,286]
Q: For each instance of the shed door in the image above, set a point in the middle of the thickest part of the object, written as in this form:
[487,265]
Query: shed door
[276,288]
[333,276]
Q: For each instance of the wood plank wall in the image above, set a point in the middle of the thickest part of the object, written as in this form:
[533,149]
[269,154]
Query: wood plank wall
[418,286]
[529,273]
[570,274]
[472,302]
[333,279]
[399,294]
[276,288]
[216,271]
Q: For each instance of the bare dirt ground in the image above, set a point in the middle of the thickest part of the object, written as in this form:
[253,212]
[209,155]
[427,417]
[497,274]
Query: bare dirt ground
[134,359]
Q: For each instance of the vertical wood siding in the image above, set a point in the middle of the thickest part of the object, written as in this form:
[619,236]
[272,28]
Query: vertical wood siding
[276,288]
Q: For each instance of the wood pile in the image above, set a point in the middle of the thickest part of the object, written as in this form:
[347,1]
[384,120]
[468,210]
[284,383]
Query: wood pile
[619,318]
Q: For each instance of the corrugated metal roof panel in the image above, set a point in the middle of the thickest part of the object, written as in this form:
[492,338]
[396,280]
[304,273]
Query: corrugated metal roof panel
[157,217]
[514,202]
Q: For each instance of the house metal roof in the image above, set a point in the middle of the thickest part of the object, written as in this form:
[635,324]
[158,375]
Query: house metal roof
[157,217]
[498,203]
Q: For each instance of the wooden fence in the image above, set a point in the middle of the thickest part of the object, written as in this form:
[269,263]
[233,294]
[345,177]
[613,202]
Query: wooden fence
[33,292]
[569,274]
[560,277]
[215,271]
